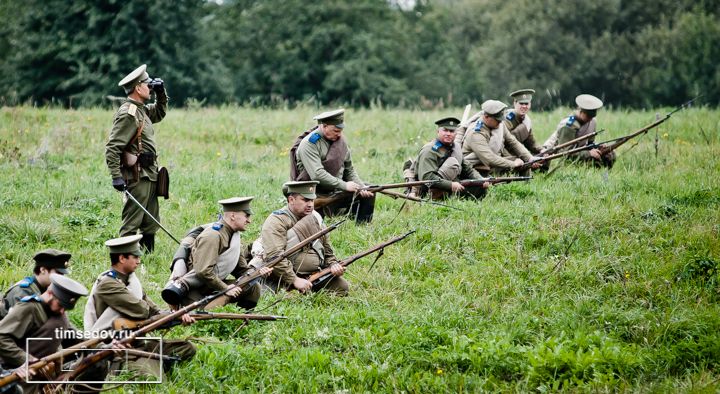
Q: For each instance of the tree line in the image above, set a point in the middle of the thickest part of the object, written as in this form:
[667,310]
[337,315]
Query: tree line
[362,52]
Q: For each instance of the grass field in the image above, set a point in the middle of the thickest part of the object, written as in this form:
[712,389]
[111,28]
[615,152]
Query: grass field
[586,280]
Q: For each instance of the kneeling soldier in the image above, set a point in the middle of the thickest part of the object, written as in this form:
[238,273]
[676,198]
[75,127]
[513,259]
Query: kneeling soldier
[47,262]
[39,316]
[118,293]
[215,254]
[290,225]
[486,140]
[442,160]
[581,123]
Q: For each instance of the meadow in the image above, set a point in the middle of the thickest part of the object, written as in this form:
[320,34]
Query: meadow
[581,280]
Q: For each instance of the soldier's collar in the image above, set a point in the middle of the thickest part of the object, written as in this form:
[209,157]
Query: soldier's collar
[125,278]
[139,104]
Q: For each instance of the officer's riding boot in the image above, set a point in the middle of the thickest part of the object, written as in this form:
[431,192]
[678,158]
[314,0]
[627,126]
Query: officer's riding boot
[148,242]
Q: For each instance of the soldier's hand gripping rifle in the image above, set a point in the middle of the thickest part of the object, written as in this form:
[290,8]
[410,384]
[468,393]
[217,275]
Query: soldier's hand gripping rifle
[122,323]
[323,201]
[40,363]
[321,277]
[242,282]
[558,148]
[494,180]
[608,146]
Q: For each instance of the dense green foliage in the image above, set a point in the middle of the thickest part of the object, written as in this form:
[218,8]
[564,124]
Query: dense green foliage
[583,280]
[280,52]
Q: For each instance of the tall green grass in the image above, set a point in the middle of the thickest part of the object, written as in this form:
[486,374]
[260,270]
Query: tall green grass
[584,280]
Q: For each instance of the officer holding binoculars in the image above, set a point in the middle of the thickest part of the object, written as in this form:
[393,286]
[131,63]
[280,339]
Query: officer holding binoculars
[131,154]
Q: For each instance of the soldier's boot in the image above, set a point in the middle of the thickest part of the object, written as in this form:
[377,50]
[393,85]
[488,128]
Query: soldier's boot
[148,242]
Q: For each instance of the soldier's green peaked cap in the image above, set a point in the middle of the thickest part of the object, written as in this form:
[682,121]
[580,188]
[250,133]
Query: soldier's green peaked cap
[494,108]
[334,117]
[523,96]
[66,290]
[236,204]
[448,123]
[131,80]
[303,188]
[588,102]
[52,259]
[127,245]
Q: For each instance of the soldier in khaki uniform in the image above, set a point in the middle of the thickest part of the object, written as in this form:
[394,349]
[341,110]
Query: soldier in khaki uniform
[517,120]
[324,156]
[215,254]
[118,293]
[47,262]
[38,316]
[131,153]
[441,159]
[486,140]
[580,123]
[290,225]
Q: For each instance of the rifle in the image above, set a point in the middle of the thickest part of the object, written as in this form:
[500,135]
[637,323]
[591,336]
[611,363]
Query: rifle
[129,324]
[494,180]
[557,148]
[604,146]
[622,140]
[323,201]
[242,282]
[319,278]
[40,363]
[416,199]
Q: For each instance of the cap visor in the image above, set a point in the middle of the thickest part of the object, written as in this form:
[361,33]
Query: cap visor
[63,271]
[340,125]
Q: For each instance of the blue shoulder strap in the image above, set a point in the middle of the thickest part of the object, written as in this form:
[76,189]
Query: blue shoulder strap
[217,226]
[26,282]
[436,146]
[111,274]
[33,297]
[510,115]
[478,126]
[314,137]
[570,121]
[279,212]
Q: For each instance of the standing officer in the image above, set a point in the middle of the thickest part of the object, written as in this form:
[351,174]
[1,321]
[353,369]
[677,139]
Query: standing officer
[215,254]
[580,123]
[38,316]
[442,160]
[483,146]
[131,153]
[47,262]
[289,226]
[324,156]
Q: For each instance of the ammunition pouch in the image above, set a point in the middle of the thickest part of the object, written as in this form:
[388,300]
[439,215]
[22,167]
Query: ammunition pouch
[163,183]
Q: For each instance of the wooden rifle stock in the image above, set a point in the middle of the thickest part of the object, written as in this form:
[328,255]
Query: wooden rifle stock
[240,282]
[129,324]
[324,275]
[494,180]
[40,363]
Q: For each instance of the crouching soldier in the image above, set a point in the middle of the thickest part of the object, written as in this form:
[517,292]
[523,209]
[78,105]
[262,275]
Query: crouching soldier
[441,159]
[215,254]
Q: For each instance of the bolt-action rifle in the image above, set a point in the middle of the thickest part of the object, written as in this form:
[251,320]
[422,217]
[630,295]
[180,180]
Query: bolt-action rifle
[122,323]
[608,146]
[321,277]
[323,201]
[494,180]
[242,282]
